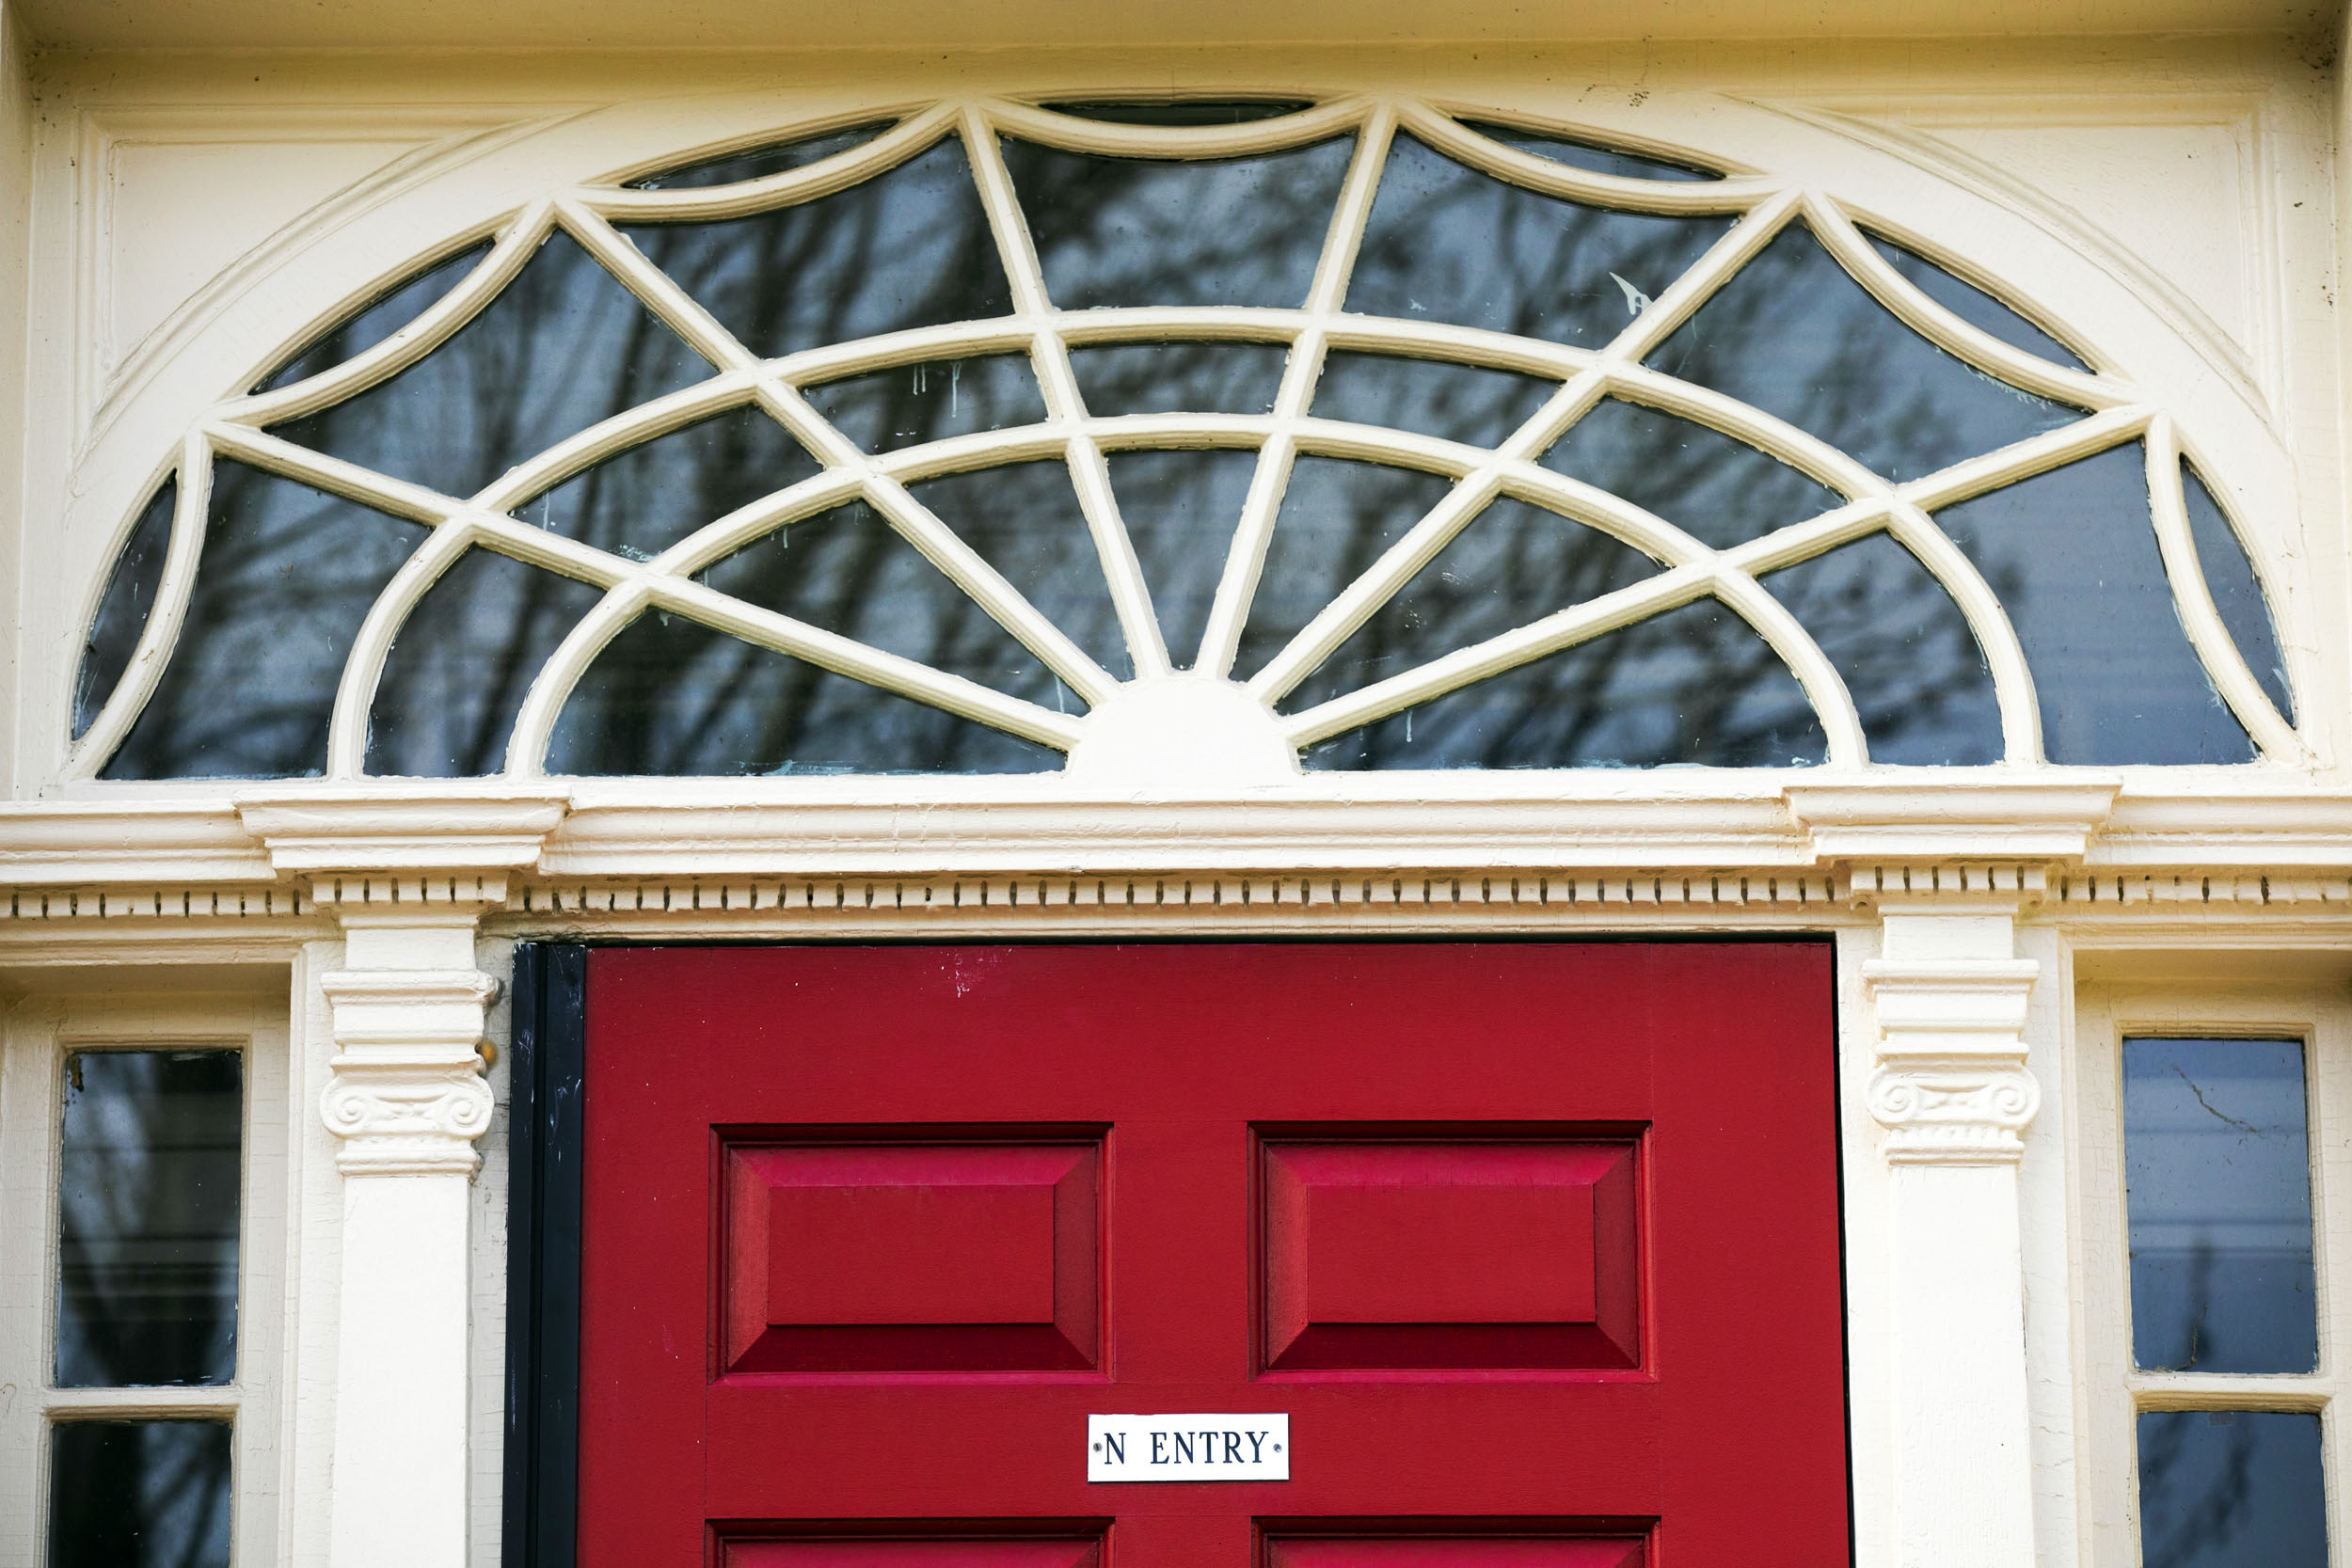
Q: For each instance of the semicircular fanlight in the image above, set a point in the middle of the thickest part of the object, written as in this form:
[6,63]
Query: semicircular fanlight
[905,443]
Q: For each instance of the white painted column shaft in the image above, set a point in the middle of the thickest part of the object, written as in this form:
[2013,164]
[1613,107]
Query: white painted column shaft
[1951,1090]
[408,1100]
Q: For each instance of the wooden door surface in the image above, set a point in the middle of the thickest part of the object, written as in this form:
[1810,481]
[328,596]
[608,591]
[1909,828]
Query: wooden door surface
[1535,1246]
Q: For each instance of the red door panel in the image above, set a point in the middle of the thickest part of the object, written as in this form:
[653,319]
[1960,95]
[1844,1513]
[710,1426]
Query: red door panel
[1536,1246]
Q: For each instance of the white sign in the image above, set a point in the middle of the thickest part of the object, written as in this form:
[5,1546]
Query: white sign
[1188,1448]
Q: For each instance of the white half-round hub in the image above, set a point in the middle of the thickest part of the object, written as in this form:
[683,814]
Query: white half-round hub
[1186,735]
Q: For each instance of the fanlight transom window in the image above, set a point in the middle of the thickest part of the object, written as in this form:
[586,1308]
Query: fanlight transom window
[1350,435]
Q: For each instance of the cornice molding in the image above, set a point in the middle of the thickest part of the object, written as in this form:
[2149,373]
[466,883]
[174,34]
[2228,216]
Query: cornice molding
[326,834]
[1947,818]
[2083,847]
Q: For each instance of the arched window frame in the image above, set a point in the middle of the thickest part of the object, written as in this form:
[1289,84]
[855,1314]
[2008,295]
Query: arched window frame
[2154,379]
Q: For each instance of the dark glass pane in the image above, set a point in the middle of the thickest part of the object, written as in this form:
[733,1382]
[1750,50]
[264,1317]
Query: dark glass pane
[1448,243]
[2232,1489]
[1513,564]
[642,501]
[139,1494]
[462,664]
[1180,378]
[1973,305]
[1719,489]
[1182,111]
[847,571]
[122,610]
[1693,687]
[2217,1169]
[1458,403]
[909,404]
[2072,555]
[1904,650]
[563,346]
[1336,519]
[147,1171]
[287,575]
[2237,592]
[1181,508]
[909,247]
[1023,520]
[375,321]
[1793,335]
[670,697]
[1589,155]
[1153,231]
[757,163]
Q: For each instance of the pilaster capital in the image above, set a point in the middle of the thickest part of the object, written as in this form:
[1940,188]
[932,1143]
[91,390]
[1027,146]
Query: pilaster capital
[407,1097]
[1950,1000]
[408,873]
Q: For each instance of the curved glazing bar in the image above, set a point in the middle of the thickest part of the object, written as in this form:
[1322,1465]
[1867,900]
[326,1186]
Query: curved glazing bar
[122,610]
[758,162]
[1472,444]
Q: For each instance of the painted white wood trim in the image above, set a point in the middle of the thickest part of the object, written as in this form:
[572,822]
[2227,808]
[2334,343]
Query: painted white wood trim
[1952,1093]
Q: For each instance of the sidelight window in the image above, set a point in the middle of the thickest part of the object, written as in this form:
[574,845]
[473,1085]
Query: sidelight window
[909,444]
[2222,1451]
[139,1432]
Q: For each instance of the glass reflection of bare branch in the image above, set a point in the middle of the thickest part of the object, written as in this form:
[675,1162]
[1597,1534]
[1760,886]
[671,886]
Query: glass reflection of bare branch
[1201,284]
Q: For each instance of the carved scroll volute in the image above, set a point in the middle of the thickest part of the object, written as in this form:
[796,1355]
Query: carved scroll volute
[1950,1086]
[408,1096]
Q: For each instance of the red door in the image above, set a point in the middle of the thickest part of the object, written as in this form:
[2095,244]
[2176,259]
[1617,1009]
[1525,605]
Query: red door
[1536,1246]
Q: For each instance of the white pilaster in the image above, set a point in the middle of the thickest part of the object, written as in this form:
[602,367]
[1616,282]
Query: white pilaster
[1950,1090]
[409,880]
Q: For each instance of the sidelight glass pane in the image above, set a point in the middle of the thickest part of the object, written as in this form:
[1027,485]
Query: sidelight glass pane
[148,1183]
[2217,1168]
[122,610]
[287,575]
[139,1494]
[2230,1489]
[1448,243]
[1112,231]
